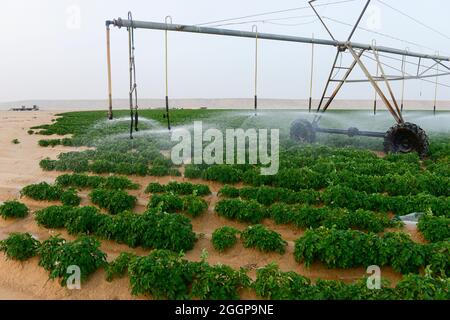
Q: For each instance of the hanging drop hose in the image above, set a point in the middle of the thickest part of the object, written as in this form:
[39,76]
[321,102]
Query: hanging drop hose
[136,117]
[374,44]
[375,99]
[133,86]
[167,75]
[255,29]
[108,59]
[312,75]
[436,87]
[130,56]
[403,81]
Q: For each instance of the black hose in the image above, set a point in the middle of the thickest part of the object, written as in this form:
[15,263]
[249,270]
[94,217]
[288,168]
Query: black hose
[136,118]
[167,112]
[131,123]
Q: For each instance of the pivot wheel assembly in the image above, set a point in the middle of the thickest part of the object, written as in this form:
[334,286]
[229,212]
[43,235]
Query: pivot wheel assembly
[406,137]
[303,131]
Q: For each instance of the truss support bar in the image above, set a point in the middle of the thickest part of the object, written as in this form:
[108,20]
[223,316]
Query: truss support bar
[396,116]
[378,79]
[391,92]
[328,82]
[358,21]
[341,82]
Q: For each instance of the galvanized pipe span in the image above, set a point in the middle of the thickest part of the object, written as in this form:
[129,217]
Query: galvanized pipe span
[268,36]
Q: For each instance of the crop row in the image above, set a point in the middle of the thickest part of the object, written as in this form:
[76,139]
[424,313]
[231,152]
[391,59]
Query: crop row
[13,209]
[44,191]
[312,178]
[270,195]
[139,156]
[435,228]
[152,229]
[272,283]
[319,167]
[83,181]
[55,142]
[56,255]
[339,196]
[255,236]
[343,197]
[103,166]
[164,274]
[351,248]
[114,158]
[304,216]
[170,202]
[182,188]
[114,201]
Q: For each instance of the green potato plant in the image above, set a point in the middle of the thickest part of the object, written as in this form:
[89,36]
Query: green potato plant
[13,209]
[20,246]
[224,238]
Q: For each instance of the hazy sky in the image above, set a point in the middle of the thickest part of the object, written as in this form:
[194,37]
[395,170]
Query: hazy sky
[55,49]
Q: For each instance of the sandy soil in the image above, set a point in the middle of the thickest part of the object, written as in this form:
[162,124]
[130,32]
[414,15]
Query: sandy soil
[19,166]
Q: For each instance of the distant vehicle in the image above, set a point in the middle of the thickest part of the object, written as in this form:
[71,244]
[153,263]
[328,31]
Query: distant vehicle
[24,108]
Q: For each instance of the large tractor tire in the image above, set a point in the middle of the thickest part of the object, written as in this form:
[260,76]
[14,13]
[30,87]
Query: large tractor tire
[303,131]
[406,137]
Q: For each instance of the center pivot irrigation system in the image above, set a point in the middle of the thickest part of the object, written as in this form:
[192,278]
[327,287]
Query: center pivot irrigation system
[401,137]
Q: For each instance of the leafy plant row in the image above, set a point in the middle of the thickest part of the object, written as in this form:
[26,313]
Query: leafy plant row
[20,246]
[304,216]
[164,274]
[294,179]
[344,197]
[255,236]
[55,142]
[224,238]
[243,211]
[115,201]
[170,202]
[306,168]
[114,157]
[13,209]
[270,195]
[152,229]
[317,158]
[182,188]
[83,181]
[264,239]
[351,248]
[323,158]
[435,228]
[395,184]
[272,283]
[44,191]
[56,254]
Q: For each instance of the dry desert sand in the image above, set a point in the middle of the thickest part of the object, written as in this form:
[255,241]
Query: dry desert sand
[19,166]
